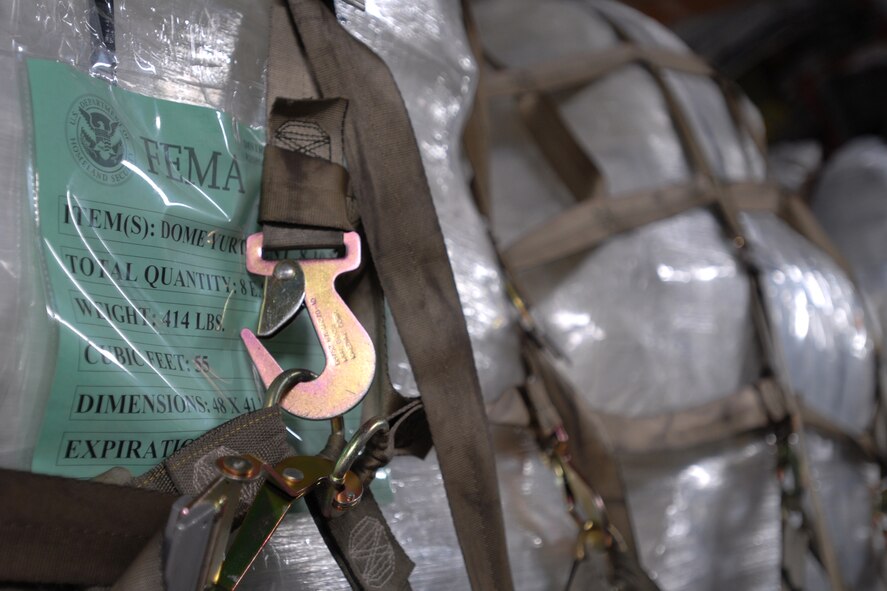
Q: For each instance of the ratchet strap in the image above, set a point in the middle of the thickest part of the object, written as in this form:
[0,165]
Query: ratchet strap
[69,531]
[360,539]
[398,218]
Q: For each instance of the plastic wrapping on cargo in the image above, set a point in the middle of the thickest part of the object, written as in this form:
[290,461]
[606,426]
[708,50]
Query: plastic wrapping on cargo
[668,299]
[52,30]
[792,164]
[848,487]
[850,201]
[657,319]
[623,123]
[424,46]
[819,319]
[208,54]
[536,521]
[706,491]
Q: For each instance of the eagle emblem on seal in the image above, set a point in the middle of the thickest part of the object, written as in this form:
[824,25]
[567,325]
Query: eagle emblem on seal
[101,139]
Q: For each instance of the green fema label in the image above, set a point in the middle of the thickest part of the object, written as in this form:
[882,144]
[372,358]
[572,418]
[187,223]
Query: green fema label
[99,142]
[144,207]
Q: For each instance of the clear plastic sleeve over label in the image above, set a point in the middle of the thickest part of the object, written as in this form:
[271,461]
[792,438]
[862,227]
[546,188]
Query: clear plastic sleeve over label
[143,207]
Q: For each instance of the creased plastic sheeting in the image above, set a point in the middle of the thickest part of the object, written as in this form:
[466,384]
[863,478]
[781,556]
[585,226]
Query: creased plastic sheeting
[48,29]
[817,316]
[26,337]
[206,52]
[209,53]
[706,492]
[848,487]
[419,517]
[850,201]
[626,104]
[791,164]
[658,318]
[661,297]
[654,320]
[424,45]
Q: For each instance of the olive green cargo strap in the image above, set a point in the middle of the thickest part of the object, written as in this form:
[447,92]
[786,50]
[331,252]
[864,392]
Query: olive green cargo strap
[752,408]
[561,149]
[547,391]
[66,531]
[407,247]
[570,71]
[550,393]
[774,365]
[592,221]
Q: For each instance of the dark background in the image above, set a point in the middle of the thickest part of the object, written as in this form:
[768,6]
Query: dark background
[817,69]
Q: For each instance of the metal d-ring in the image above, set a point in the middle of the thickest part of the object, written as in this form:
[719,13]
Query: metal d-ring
[356,447]
[284,382]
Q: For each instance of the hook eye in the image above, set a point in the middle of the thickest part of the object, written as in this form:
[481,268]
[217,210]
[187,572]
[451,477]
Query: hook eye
[355,448]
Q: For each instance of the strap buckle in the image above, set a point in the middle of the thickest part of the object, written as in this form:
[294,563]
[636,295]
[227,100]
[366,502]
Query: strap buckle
[587,508]
[197,531]
[290,480]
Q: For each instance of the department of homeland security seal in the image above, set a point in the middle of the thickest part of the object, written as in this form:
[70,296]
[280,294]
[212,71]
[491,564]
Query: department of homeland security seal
[99,143]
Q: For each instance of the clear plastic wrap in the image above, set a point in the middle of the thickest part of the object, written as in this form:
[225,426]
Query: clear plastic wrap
[658,318]
[540,534]
[818,317]
[684,288]
[850,201]
[424,45]
[791,164]
[848,487]
[708,511]
[623,307]
[208,53]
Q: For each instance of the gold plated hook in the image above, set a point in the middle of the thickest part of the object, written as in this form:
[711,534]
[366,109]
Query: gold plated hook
[349,352]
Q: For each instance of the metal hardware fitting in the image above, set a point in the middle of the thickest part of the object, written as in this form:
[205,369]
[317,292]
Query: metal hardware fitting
[197,532]
[288,481]
[348,349]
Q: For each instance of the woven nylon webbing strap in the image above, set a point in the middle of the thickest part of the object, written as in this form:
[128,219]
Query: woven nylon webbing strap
[261,433]
[577,70]
[67,531]
[407,247]
[364,546]
[304,181]
[729,217]
[561,149]
[751,408]
[360,539]
[591,222]
[594,460]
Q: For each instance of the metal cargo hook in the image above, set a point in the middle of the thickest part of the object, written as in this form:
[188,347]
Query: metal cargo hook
[348,349]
